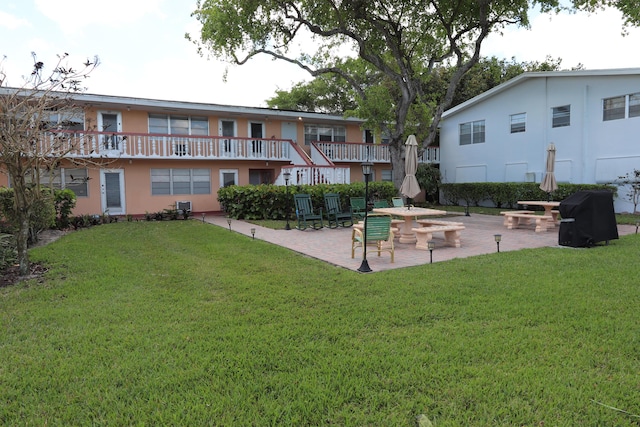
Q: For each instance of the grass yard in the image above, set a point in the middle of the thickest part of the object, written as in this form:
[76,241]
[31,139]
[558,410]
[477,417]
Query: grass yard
[184,323]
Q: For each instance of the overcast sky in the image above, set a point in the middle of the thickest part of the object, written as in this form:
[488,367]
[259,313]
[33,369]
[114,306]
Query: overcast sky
[144,53]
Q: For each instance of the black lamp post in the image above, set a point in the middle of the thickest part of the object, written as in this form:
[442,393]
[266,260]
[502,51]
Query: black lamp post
[431,245]
[497,237]
[203,215]
[253,233]
[366,171]
[287,177]
[637,226]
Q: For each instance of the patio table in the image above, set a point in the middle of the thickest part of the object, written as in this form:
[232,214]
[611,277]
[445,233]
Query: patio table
[548,207]
[408,214]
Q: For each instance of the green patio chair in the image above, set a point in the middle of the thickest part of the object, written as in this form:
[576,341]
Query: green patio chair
[358,207]
[336,217]
[397,202]
[307,216]
[379,234]
[381,204]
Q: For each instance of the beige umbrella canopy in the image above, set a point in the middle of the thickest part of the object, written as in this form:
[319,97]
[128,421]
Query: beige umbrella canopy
[549,184]
[410,187]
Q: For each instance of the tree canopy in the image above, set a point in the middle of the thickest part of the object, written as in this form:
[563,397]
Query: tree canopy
[403,40]
[333,95]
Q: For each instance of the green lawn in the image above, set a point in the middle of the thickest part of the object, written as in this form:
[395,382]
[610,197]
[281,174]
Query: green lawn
[183,323]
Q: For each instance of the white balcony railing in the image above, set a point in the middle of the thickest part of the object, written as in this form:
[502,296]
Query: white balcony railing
[150,146]
[341,152]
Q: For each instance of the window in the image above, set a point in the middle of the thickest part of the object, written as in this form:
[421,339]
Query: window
[67,119]
[180,181]
[324,133]
[260,176]
[472,132]
[634,105]
[178,125]
[616,108]
[74,179]
[518,122]
[387,175]
[228,177]
[561,116]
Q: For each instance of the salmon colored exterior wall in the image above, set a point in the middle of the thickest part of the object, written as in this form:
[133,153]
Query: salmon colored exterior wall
[137,176]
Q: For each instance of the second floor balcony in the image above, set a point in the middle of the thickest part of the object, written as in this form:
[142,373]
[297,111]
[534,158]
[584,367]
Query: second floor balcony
[111,145]
[153,146]
[351,152]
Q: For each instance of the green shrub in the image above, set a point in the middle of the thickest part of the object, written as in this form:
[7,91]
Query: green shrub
[271,201]
[8,251]
[65,201]
[507,194]
[42,216]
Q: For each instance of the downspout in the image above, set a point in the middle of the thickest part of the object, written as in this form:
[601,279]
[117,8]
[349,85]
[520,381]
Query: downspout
[585,136]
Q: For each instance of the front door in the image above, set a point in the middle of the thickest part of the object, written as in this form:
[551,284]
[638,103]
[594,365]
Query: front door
[111,123]
[112,191]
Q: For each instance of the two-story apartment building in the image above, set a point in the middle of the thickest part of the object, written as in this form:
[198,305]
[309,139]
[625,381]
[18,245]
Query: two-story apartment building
[132,155]
[592,117]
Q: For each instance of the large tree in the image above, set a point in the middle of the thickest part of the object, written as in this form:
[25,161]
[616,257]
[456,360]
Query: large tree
[30,142]
[404,40]
[334,95]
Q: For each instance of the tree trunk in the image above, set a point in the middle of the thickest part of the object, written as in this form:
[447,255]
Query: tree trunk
[396,151]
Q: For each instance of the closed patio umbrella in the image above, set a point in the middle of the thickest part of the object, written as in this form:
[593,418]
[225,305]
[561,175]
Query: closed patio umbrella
[548,183]
[410,187]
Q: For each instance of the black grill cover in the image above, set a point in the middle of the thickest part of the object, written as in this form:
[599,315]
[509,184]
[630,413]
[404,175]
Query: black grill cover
[588,217]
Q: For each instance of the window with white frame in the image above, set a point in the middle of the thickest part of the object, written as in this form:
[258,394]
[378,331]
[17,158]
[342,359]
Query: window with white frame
[324,133]
[74,179]
[518,122]
[180,181]
[561,116]
[634,105]
[228,177]
[472,132]
[386,175]
[178,125]
[621,107]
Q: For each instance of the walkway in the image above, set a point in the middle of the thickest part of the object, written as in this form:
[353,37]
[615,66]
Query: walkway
[334,245]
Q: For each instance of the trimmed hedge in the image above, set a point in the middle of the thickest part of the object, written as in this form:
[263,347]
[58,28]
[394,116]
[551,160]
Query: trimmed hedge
[270,201]
[507,194]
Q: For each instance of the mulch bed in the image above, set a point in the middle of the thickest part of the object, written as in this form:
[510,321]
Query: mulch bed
[11,276]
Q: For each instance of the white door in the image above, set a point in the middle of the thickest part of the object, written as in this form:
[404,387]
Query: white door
[110,122]
[112,191]
[290,131]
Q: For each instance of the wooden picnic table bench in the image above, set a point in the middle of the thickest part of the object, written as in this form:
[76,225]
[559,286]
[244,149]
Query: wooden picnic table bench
[451,235]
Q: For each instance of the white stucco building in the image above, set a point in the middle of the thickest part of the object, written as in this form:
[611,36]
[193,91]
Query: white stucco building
[592,117]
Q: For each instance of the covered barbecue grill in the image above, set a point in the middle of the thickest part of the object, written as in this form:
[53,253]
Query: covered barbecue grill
[588,217]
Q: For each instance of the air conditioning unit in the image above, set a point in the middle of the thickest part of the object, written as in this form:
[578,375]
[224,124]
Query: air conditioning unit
[183,205]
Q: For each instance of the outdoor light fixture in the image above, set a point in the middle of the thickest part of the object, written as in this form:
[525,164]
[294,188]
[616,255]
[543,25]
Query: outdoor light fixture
[366,171]
[287,177]
[637,225]
[431,245]
[253,233]
[229,222]
[498,237]
[203,214]
[466,211]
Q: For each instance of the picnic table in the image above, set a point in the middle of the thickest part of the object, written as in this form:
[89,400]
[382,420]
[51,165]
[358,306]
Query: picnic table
[548,206]
[407,235]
